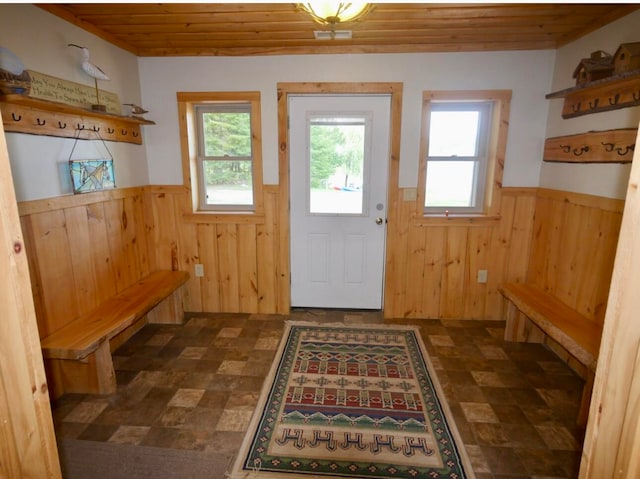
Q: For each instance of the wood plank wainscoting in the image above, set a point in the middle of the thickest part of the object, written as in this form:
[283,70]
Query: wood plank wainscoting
[431,268]
[572,254]
[563,242]
[82,250]
[241,259]
[85,248]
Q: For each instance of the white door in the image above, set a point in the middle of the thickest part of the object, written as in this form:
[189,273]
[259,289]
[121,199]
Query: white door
[338,183]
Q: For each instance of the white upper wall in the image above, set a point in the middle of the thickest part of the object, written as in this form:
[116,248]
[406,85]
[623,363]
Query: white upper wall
[527,73]
[39,39]
[608,180]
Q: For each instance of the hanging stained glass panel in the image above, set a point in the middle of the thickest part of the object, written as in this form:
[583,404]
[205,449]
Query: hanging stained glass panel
[91,175]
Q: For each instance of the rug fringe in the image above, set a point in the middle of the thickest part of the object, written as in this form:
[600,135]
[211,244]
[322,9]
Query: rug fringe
[407,327]
[255,471]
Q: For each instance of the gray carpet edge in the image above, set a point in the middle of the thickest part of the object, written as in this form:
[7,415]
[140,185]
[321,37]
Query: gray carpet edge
[80,459]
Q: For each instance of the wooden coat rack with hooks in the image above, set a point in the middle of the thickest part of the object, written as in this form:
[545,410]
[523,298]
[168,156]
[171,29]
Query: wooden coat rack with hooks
[610,146]
[612,93]
[22,114]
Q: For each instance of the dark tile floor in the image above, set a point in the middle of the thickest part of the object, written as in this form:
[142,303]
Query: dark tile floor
[194,386]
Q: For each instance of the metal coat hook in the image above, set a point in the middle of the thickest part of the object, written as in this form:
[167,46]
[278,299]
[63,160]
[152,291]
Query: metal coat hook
[565,148]
[628,149]
[636,97]
[135,134]
[79,127]
[124,132]
[608,146]
[41,122]
[13,115]
[96,129]
[576,107]
[110,130]
[584,149]
[61,125]
[616,99]
[595,104]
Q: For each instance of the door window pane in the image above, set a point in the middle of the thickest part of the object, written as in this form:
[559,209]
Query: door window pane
[336,165]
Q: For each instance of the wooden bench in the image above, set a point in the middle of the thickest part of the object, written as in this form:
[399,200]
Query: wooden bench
[533,314]
[79,353]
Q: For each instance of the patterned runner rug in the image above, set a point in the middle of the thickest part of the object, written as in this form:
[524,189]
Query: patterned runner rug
[355,402]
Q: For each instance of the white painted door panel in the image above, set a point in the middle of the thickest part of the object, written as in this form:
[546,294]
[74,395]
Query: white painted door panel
[337,248]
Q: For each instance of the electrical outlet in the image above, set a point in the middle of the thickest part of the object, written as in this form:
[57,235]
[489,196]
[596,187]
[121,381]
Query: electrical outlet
[199,271]
[482,276]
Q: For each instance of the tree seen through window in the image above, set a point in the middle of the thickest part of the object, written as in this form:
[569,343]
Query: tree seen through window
[336,165]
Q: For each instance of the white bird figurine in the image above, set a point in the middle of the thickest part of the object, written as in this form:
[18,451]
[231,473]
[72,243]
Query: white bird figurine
[93,71]
[89,68]
[135,109]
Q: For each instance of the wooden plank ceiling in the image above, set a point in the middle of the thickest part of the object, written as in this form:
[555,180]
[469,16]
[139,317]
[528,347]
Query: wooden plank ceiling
[240,29]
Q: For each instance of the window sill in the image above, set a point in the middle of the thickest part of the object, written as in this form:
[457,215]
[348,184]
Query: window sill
[455,219]
[232,217]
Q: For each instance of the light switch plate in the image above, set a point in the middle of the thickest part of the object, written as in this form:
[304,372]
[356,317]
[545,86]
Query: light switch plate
[409,194]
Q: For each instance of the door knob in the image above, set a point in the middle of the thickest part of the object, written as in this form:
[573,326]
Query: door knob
[379,221]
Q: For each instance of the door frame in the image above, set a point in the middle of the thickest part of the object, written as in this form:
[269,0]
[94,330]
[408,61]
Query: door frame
[393,191]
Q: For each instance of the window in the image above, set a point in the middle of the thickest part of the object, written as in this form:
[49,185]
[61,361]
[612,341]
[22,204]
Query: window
[457,156]
[463,135]
[221,155]
[224,156]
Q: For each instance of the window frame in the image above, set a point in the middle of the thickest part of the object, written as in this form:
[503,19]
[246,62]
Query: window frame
[495,149]
[200,110]
[192,161]
[480,158]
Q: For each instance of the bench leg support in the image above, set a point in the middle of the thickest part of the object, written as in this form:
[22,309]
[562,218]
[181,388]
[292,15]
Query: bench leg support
[585,403]
[169,311]
[95,375]
[514,329]
[519,328]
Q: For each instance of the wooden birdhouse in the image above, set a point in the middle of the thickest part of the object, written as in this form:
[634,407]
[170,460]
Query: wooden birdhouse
[599,65]
[627,57]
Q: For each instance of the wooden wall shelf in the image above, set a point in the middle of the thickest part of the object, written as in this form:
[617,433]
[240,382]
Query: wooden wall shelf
[611,146]
[22,114]
[613,93]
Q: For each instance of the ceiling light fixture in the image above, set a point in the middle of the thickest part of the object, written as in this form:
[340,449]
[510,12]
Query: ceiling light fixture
[326,12]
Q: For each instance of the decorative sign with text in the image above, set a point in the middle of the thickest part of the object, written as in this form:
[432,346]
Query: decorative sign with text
[46,87]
